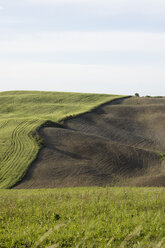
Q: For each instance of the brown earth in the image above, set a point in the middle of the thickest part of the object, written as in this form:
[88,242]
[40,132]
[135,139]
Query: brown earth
[118,143]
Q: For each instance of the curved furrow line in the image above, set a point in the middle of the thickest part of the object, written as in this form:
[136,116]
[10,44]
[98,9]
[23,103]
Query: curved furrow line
[6,155]
[15,149]
[20,156]
[3,124]
[29,141]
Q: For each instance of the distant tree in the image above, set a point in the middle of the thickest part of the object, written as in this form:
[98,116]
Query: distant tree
[137,94]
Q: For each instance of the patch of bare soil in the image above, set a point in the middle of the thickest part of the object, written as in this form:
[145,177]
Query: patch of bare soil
[118,143]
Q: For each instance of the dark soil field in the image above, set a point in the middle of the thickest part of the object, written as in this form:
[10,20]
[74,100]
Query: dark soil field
[119,143]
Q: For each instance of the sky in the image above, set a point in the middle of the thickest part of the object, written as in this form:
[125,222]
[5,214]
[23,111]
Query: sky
[97,46]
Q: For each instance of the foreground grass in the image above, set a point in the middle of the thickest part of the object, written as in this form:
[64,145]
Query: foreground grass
[22,113]
[83,217]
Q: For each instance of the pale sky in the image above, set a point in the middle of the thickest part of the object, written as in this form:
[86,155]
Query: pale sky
[103,46]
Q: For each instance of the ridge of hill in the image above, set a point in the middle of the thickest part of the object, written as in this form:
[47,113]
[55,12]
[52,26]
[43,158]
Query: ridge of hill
[22,113]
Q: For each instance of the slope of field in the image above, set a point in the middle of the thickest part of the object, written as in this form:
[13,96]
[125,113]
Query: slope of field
[22,113]
[83,217]
[121,142]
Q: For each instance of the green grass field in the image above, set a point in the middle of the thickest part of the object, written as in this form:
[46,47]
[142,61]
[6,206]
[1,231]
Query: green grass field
[78,217]
[22,113]
[83,217]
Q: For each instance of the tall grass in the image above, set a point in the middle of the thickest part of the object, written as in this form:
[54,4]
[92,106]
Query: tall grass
[83,217]
[22,113]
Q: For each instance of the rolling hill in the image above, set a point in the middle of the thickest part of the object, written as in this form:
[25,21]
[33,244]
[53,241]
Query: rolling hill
[120,142]
[22,113]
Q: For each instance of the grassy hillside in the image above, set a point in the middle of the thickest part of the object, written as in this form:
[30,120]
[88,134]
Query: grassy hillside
[83,217]
[22,113]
